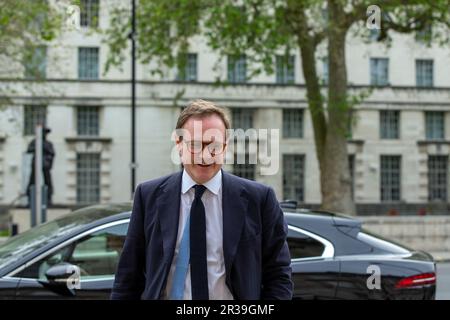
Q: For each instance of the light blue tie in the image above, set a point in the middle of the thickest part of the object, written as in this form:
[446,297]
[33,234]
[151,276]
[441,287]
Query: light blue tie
[181,268]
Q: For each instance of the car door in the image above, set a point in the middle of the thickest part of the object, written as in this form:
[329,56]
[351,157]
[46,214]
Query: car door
[90,261]
[8,287]
[315,273]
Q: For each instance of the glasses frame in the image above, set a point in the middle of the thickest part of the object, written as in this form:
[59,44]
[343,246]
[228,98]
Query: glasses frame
[204,145]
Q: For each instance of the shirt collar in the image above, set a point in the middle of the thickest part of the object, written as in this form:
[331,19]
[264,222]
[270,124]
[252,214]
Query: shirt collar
[213,185]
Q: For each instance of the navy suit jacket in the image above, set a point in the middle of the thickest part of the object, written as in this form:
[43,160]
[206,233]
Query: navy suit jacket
[256,254]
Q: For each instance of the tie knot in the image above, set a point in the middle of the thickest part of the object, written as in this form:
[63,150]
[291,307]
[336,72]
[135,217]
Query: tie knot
[199,190]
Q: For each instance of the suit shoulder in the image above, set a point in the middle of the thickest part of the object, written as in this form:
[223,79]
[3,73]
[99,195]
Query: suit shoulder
[149,186]
[250,185]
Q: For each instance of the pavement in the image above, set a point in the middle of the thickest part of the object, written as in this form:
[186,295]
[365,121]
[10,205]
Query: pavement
[443,281]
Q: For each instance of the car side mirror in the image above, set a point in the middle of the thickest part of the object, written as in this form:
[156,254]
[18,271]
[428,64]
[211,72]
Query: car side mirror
[63,279]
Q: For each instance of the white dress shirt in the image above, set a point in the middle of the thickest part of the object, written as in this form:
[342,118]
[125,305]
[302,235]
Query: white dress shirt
[212,200]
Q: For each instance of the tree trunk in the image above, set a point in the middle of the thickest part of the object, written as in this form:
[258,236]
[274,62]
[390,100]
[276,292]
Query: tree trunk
[329,134]
[336,181]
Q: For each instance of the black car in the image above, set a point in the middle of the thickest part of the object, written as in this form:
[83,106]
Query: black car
[75,257]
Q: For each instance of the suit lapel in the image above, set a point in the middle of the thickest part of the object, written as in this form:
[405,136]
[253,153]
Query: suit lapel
[234,206]
[168,204]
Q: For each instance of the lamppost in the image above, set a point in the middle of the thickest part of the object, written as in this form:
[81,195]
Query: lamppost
[133,164]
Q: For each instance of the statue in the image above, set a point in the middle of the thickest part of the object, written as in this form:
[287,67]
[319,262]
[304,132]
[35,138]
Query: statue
[47,162]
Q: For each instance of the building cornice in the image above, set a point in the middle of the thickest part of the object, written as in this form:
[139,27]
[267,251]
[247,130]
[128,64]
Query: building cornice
[435,142]
[88,139]
[224,84]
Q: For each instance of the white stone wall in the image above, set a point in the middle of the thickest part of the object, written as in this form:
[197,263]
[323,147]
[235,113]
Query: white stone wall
[428,233]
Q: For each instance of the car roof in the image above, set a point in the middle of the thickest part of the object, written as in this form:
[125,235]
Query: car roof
[96,213]
[302,216]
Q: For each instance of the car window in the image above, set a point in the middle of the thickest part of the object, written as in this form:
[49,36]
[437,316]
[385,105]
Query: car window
[96,255]
[36,238]
[304,246]
[381,243]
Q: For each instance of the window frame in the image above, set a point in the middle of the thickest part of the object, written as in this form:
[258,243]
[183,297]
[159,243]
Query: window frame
[191,64]
[92,125]
[328,251]
[431,122]
[387,120]
[33,117]
[390,187]
[236,63]
[302,156]
[88,53]
[79,196]
[285,69]
[90,14]
[36,67]
[421,65]
[377,68]
[289,116]
[437,188]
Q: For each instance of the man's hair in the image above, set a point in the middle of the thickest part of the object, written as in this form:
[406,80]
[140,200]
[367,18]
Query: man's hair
[199,109]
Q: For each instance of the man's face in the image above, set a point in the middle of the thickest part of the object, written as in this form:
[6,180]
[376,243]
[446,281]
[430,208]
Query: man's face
[202,147]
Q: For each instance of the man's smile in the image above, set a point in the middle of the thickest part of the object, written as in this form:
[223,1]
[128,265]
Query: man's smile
[205,165]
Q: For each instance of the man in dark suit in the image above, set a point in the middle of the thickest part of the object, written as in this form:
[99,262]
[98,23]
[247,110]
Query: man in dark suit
[203,233]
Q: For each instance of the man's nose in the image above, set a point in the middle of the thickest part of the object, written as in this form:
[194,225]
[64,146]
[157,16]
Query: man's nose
[207,157]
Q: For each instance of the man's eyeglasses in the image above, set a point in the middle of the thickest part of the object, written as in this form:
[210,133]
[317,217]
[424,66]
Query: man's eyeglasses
[198,146]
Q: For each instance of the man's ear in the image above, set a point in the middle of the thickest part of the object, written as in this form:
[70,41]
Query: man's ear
[179,145]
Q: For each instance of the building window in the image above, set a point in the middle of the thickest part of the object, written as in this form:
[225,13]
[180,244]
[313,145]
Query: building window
[374,35]
[434,124]
[89,13]
[88,178]
[424,73]
[292,123]
[87,121]
[242,118]
[379,71]
[437,178]
[285,69]
[425,35]
[350,124]
[389,124]
[33,115]
[351,166]
[245,170]
[88,63]
[293,177]
[188,71]
[390,178]
[35,62]
[325,69]
[237,69]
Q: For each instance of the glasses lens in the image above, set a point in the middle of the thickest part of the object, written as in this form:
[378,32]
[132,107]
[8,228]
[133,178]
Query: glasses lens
[194,146]
[215,147]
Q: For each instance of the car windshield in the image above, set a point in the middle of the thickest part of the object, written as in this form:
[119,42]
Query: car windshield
[36,238]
